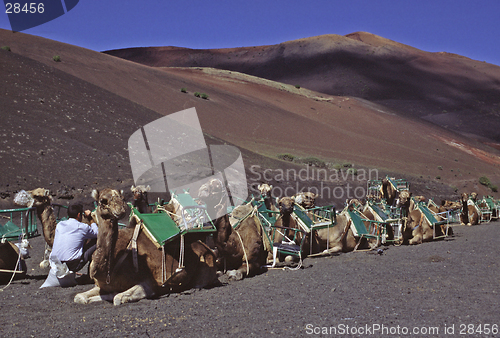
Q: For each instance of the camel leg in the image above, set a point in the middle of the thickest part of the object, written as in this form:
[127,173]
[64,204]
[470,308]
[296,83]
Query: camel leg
[88,296]
[134,294]
[235,274]
[45,263]
[416,240]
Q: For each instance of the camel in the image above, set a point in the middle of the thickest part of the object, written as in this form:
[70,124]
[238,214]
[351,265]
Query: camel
[339,238]
[306,199]
[283,225]
[389,192]
[243,248]
[141,202]
[469,214]
[372,215]
[265,191]
[40,199]
[118,277]
[437,210]
[416,227]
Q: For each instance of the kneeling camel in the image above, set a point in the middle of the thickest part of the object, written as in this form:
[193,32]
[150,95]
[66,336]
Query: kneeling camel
[115,273]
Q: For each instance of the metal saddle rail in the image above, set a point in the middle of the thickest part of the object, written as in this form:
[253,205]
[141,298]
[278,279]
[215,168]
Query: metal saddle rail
[26,220]
[493,206]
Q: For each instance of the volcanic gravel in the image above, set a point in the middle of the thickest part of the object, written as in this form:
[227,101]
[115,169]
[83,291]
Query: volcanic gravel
[419,290]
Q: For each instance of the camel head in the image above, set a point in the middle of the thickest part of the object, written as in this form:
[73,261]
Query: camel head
[285,205]
[354,204]
[473,196]
[213,189]
[404,201]
[464,197]
[265,189]
[451,205]
[41,197]
[140,191]
[213,193]
[306,199]
[110,203]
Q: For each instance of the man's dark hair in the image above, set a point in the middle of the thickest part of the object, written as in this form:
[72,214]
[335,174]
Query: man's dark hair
[74,210]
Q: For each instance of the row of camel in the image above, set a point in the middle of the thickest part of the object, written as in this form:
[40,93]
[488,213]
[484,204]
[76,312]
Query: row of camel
[120,278]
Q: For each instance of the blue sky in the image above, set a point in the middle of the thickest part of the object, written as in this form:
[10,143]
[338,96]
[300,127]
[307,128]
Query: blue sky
[469,28]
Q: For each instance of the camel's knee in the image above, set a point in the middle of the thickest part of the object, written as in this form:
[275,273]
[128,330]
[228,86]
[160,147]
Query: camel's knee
[416,240]
[44,264]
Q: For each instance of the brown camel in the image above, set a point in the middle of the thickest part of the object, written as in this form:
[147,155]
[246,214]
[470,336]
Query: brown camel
[157,272]
[389,192]
[282,229]
[469,214]
[243,248]
[265,191]
[141,202]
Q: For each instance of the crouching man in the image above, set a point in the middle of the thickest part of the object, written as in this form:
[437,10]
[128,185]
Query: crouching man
[71,245]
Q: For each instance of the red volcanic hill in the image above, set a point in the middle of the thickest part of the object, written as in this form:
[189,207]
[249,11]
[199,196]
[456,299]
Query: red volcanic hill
[65,125]
[448,90]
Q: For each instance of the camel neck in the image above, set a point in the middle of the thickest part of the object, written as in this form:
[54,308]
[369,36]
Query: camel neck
[46,216]
[106,241]
[224,229]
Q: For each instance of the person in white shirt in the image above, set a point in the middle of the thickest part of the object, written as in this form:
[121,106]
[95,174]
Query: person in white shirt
[71,245]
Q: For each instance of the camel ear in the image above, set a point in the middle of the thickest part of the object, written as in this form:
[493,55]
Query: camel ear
[132,188]
[121,192]
[315,195]
[95,194]
[259,186]
[148,188]
[47,192]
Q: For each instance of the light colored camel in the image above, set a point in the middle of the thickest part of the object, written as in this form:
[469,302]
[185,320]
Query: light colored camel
[339,238]
[372,215]
[469,214]
[113,267]
[416,227]
[307,199]
[265,191]
[42,201]
[243,248]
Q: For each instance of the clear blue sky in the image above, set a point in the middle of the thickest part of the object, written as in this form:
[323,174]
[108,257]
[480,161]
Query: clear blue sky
[469,28]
